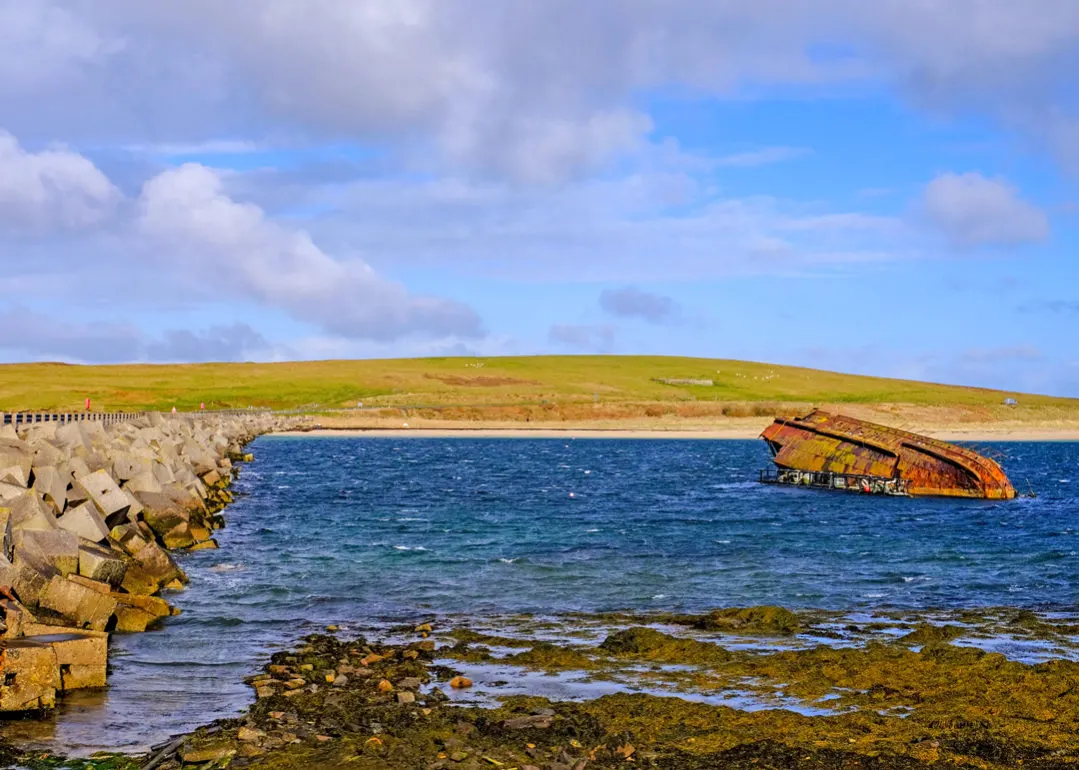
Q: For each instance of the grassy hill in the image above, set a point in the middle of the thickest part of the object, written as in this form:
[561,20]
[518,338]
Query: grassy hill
[475,382]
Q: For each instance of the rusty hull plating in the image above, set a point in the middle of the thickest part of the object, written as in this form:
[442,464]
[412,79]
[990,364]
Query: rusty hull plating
[823,442]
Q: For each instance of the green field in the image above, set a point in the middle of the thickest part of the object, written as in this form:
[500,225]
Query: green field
[322,385]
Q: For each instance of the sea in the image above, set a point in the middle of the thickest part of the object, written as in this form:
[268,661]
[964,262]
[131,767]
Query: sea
[374,532]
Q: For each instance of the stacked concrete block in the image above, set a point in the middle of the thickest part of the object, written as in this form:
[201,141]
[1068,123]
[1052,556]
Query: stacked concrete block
[88,516]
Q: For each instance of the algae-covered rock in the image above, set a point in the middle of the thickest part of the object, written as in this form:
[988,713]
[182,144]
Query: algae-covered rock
[551,657]
[927,633]
[650,644]
[751,620]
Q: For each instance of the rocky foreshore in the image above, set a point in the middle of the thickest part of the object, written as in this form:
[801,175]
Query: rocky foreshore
[738,689]
[89,514]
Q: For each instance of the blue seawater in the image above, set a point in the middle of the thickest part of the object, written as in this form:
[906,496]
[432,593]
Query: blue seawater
[368,532]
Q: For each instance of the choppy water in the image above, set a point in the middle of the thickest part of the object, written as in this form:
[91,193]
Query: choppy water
[367,532]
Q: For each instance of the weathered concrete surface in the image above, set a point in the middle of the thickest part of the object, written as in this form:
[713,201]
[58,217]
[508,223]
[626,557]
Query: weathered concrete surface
[106,495]
[82,658]
[85,522]
[29,675]
[88,515]
[103,564]
[82,606]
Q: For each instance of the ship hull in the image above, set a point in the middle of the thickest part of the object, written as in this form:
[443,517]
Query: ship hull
[825,443]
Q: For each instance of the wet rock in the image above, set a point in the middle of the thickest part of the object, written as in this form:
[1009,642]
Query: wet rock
[927,633]
[650,644]
[206,752]
[250,734]
[537,722]
[460,682]
[751,620]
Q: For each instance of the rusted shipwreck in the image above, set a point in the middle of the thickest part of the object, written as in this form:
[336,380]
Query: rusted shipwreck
[833,451]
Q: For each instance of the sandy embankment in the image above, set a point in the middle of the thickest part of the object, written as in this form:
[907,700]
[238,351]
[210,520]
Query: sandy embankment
[689,421]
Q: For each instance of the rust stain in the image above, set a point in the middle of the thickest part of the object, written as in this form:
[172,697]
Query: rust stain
[837,444]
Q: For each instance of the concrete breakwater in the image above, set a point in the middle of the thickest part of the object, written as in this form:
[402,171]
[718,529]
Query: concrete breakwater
[89,513]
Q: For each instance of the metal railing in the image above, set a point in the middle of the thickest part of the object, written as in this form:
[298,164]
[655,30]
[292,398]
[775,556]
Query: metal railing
[36,418]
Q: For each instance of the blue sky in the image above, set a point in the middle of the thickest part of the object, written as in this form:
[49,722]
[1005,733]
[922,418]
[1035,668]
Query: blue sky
[884,188]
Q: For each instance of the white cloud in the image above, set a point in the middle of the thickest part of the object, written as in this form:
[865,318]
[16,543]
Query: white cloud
[51,189]
[35,335]
[534,90]
[193,222]
[972,210]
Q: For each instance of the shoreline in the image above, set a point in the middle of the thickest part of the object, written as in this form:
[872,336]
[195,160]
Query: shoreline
[899,693]
[983,433]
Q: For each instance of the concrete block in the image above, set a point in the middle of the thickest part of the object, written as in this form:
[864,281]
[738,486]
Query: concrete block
[96,585]
[101,564]
[144,482]
[153,568]
[164,475]
[54,550]
[128,465]
[10,491]
[70,436]
[86,522]
[133,620]
[52,486]
[81,658]
[40,431]
[29,675]
[14,475]
[30,512]
[179,536]
[15,618]
[106,495]
[77,495]
[78,467]
[129,538]
[163,513]
[47,454]
[83,677]
[154,605]
[15,453]
[5,534]
[84,607]
[135,506]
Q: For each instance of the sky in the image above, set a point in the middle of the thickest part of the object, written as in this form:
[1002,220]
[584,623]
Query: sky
[884,187]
